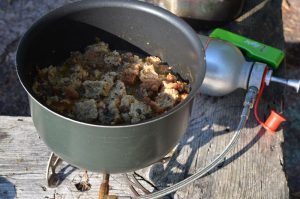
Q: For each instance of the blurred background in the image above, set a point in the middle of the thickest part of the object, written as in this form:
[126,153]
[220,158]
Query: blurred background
[16,16]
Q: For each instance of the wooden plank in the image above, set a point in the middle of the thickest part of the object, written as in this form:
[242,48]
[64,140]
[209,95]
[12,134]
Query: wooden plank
[254,170]
[23,160]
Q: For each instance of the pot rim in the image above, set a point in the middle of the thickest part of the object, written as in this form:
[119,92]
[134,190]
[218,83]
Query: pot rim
[131,4]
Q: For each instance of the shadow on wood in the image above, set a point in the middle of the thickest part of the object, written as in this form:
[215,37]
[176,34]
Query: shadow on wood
[7,189]
[226,162]
[158,169]
[64,173]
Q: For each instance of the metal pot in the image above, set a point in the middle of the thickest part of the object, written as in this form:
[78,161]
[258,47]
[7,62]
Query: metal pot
[125,25]
[208,10]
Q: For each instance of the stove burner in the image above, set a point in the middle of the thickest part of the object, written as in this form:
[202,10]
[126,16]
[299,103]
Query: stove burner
[132,179]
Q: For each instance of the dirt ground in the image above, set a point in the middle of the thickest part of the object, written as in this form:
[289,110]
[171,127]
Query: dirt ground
[291,147]
[17,15]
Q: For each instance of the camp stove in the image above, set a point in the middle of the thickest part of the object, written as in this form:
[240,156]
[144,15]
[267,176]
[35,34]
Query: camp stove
[227,70]
[132,179]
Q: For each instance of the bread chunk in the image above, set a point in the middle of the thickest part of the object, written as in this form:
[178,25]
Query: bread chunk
[86,110]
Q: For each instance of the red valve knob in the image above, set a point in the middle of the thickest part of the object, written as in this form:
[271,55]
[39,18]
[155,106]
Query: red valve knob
[273,121]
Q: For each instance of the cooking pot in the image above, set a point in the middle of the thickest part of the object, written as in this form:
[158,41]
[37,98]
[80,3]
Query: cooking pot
[125,25]
[207,10]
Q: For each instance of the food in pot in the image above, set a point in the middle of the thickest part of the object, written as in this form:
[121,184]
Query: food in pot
[107,87]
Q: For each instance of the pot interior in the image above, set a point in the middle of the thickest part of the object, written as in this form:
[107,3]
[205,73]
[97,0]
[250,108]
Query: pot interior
[125,25]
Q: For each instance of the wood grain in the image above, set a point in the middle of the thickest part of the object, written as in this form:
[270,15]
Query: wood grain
[253,170]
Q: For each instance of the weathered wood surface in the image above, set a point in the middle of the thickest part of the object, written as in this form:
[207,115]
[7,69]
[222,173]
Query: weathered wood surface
[252,170]
[23,160]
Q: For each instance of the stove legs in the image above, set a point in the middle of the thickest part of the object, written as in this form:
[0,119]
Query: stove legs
[52,177]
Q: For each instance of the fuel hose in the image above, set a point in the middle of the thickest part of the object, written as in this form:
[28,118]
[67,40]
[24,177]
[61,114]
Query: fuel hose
[248,105]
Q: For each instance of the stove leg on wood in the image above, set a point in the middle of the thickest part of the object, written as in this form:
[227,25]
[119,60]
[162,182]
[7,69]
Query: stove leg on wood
[52,177]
